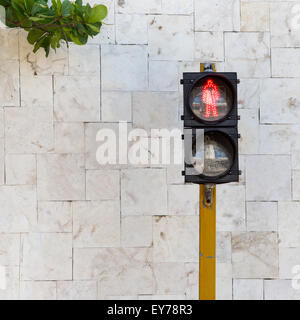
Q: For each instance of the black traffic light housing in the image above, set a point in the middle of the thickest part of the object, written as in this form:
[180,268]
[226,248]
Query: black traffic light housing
[226,126]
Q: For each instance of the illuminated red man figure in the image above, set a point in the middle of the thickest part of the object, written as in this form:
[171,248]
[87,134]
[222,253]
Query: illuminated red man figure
[210,96]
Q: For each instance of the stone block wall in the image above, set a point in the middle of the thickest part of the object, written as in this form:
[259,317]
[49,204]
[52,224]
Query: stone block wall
[73,229]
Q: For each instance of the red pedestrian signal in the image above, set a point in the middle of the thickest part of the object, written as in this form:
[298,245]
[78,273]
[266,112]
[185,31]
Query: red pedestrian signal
[210,96]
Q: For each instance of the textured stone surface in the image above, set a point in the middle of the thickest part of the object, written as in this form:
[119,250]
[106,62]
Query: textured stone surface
[171,37]
[255,16]
[66,171]
[248,289]
[136,231]
[255,255]
[96,224]
[119,271]
[248,54]
[143,192]
[175,239]
[29,130]
[20,169]
[125,60]
[9,84]
[217,15]
[276,182]
[51,252]
[262,216]
[73,105]
[209,46]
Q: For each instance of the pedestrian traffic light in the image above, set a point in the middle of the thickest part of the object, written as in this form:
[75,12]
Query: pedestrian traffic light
[210,127]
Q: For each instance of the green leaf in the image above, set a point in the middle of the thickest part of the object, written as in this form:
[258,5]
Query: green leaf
[4,3]
[99,13]
[67,8]
[94,28]
[34,35]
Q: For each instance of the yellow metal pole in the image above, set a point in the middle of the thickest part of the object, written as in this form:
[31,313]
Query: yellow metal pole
[207,263]
[207,238]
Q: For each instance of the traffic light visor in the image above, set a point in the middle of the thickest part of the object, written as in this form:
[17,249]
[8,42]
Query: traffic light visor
[211,98]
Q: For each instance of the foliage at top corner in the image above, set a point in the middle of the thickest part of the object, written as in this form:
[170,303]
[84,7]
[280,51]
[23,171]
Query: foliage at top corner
[48,25]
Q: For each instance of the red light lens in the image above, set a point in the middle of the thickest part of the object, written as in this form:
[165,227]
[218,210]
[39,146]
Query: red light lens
[211,98]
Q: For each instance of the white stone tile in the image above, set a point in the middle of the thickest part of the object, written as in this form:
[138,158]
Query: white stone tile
[119,271]
[102,184]
[37,290]
[127,298]
[171,37]
[248,54]
[9,249]
[76,290]
[249,93]
[77,98]
[162,297]
[163,76]
[231,208]
[175,239]
[280,290]
[249,131]
[36,91]
[224,281]
[131,29]
[174,174]
[217,15]
[155,110]
[84,60]
[11,291]
[183,199]
[223,247]
[54,216]
[9,83]
[296,184]
[136,231]
[37,63]
[289,224]
[20,169]
[192,290]
[2,161]
[255,16]
[61,177]
[275,181]
[289,262]
[248,289]
[275,139]
[1,123]
[169,278]
[255,255]
[285,62]
[116,106]
[262,216]
[283,33]
[29,130]
[18,208]
[142,6]
[46,256]
[143,192]
[177,7]
[9,44]
[96,224]
[69,137]
[209,46]
[279,100]
[124,67]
